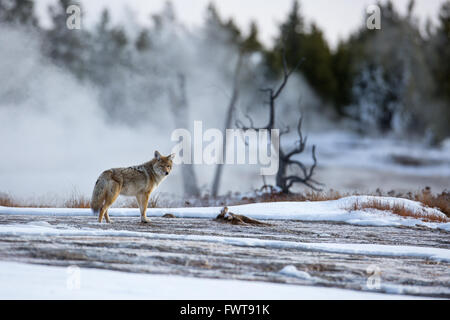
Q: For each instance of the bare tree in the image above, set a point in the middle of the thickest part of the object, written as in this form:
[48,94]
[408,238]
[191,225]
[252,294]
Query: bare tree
[179,107]
[228,120]
[283,180]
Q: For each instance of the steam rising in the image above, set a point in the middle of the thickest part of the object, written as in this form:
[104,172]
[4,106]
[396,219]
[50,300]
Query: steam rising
[59,133]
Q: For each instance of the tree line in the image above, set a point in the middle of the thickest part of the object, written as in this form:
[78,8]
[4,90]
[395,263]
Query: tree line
[392,80]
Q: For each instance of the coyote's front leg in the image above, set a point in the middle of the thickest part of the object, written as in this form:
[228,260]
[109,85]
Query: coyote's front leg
[143,203]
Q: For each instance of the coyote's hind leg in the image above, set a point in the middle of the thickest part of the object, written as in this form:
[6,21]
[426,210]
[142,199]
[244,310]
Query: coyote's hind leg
[111,196]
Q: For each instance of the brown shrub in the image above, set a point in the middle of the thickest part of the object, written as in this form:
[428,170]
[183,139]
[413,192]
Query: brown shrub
[77,201]
[6,201]
[426,197]
[438,201]
[398,209]
[302,196]
[154,201]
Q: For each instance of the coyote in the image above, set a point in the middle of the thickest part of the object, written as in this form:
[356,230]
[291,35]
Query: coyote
[138,181]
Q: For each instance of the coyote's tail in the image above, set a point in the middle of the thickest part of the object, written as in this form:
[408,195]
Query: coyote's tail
[99,193]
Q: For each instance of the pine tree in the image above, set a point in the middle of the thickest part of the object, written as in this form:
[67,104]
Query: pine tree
[389,75]
[219,31]
[299,43]
[318,63]
[18,12]
[342,69]
[440,53]
[143,41]
[289,41]
[68,48]
[251,42]
[442,48]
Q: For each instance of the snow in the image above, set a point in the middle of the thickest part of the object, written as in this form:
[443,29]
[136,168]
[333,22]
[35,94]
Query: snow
[428,253]
[333,210]
[26,281]
[444,226]
[45,282]
[350,150]
[291,271]
[398,289]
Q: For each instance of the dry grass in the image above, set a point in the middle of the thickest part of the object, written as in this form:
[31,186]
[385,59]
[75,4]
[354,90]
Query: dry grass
[303,196]
[438,201]
[126,203]
[77,201]
[398,209]
[425,196]
[236,198]
[154,201]
[7,201]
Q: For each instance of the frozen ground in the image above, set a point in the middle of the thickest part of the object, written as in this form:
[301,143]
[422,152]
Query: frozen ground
[364,252]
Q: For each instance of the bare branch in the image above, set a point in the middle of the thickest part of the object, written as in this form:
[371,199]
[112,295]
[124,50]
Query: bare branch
[286,75]
[240,125]
[283,181]
[295,179]
[285,130]
[301,142]
[228,120]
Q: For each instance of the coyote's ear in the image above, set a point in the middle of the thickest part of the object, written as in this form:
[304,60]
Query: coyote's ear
[172,156]
[157,155]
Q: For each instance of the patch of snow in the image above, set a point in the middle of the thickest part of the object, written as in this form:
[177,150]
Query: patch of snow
[399,289]
[39,223]
[26,281]
[444,226]
[292,271]
[350,150]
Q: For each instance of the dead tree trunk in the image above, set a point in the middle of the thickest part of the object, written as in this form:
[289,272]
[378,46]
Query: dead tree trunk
[179,107]
[282,179]
[228,120]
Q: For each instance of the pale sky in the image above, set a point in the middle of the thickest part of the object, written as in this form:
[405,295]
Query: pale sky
[337,18]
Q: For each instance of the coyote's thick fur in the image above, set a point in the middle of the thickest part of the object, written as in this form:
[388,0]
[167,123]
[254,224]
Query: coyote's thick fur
[138,181]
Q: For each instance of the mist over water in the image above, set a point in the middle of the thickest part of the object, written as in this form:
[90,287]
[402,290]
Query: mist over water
[57,135]
[60,131]
[56,138]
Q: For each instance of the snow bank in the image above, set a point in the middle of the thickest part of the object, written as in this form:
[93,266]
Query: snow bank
[444,226]
[435,254]
[343,149]
[25,281]
[333,210]
[292,271]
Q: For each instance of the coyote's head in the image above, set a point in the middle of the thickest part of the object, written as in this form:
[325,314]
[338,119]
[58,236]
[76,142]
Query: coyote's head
[163,165]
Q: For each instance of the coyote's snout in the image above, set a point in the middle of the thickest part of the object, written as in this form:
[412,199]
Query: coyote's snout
[138,181]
